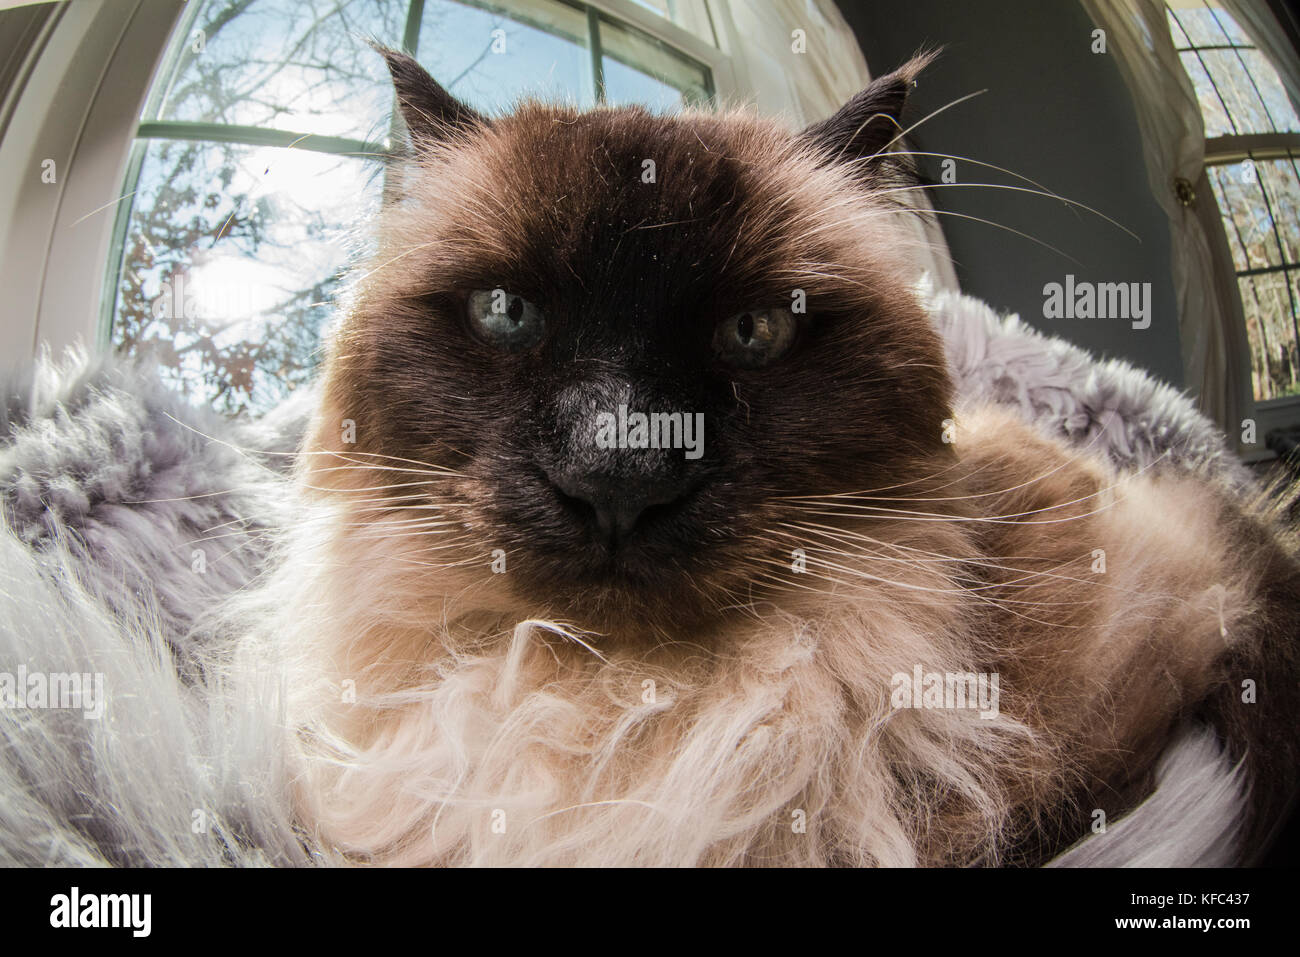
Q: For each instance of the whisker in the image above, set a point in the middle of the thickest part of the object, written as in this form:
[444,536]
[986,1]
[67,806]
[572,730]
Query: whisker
[1018,189]
[1009,229]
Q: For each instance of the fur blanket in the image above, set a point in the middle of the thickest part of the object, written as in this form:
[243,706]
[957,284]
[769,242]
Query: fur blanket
[130,517]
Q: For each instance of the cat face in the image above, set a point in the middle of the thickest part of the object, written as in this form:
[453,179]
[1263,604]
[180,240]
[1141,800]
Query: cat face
[626,338]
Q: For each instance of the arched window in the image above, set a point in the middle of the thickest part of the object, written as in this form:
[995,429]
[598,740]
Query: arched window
[256,161]
[1252,143]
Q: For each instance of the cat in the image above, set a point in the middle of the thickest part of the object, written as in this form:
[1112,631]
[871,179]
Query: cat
[512,641]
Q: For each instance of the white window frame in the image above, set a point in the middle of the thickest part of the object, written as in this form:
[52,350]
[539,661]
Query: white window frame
[77,102]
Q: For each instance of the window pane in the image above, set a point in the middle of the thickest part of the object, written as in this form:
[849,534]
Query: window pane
[1278,177]
[1230,32]
[1216,118]
[1197,22]
[1238,191]
[303,67]
[1270,327]
[1238,93]
[1270,87]
[489,59]
[626,85]
[231,256]
[640,69]
[1236,242]
[1176,31]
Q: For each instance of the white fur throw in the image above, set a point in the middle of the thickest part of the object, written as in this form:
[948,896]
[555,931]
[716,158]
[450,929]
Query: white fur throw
[129,517]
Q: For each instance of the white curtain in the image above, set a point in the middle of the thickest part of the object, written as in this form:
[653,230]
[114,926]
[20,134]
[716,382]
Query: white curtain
[1173,138]
[811,86]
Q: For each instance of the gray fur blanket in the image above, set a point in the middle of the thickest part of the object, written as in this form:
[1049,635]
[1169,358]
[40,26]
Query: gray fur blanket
[130,517]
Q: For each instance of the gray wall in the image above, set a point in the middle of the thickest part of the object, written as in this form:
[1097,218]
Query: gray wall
[1056,113]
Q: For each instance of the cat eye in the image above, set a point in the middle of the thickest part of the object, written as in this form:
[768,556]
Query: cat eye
[755,338]
[504,320]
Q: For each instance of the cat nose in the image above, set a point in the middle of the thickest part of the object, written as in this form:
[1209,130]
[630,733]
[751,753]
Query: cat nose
[615,504]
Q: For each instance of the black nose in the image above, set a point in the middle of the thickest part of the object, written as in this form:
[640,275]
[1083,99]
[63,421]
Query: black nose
[615,504]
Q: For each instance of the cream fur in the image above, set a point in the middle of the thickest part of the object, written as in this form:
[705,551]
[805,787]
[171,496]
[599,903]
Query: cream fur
[483,734]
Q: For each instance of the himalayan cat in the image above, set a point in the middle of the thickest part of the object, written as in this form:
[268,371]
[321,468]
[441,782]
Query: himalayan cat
[518,633]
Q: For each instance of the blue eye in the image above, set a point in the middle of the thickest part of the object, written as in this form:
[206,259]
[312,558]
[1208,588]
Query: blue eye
[754,338]
[504,320]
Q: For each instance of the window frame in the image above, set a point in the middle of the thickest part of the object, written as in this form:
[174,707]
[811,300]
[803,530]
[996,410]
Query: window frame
[80,99]
[77,101]
[1259,147]
[1225,150]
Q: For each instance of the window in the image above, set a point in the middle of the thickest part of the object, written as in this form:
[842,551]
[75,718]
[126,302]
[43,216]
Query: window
[1252,146]
[257,157]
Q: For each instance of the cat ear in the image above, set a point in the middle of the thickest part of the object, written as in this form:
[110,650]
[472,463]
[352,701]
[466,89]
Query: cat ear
[870,124]
[431,113]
